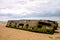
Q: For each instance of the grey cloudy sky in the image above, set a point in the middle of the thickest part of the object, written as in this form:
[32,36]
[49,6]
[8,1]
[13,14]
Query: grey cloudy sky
[31,9]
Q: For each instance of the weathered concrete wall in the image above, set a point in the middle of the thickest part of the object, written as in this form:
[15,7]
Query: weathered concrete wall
[39,24]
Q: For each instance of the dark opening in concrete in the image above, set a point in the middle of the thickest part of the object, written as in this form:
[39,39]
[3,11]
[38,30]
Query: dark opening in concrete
[21,24]
[42,23]
[27,25]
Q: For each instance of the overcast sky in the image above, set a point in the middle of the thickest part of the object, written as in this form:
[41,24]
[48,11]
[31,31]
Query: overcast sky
[31,9]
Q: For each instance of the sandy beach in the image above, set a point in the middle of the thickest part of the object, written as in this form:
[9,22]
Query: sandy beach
[16,34]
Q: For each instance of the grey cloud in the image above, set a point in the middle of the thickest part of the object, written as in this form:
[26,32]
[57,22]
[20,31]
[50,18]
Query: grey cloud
[5,14]
[11,15]
[57,14]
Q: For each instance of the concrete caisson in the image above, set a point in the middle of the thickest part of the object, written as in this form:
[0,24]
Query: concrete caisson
[44,26]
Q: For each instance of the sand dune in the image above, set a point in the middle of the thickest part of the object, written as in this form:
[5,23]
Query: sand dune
[15,34]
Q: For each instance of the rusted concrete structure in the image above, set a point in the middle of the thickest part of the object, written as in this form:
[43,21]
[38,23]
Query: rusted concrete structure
[34,25]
